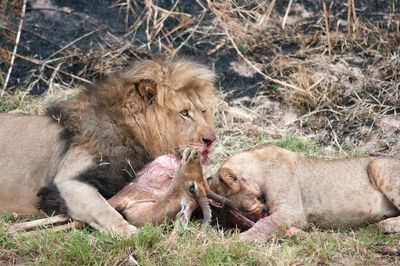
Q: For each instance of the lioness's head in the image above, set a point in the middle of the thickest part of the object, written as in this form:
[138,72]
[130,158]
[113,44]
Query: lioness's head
[244,193]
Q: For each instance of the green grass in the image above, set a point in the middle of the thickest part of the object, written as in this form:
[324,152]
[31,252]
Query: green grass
[196,245]
[308,147]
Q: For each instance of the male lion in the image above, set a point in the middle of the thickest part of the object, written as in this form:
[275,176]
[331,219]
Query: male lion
[273,187]
[87,148]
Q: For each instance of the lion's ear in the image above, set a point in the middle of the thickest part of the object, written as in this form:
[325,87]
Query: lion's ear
[147,89]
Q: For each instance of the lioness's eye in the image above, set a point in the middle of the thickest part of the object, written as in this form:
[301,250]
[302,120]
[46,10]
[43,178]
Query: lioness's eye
[185,113]
[203,111]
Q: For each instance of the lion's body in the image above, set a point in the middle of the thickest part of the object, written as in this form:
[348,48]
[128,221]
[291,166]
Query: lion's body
[298,190]
[89,147]
[20,138]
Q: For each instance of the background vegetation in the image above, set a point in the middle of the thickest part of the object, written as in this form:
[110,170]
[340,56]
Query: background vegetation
[318,77]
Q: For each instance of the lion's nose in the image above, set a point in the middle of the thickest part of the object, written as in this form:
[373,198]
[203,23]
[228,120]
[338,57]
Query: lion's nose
[209,138]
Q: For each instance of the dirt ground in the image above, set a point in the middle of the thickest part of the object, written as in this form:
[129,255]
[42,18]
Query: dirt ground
[278,75]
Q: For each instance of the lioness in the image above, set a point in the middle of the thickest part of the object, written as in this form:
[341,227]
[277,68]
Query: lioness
[89,147]
[273,187]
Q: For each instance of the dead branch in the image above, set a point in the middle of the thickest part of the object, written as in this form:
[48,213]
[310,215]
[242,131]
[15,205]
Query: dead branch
[39,62]
[15,49]
[286,14]
[327,29]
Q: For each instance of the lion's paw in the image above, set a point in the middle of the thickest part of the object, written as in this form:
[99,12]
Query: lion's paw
[127,230]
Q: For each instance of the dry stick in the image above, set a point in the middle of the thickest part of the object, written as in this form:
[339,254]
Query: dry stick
[38,62]
[40,222]
[15,48]
[327,29]
[353,7]
[71,43]
[266,16]
[286,14]
[348,20]
[190,35]
[33,33]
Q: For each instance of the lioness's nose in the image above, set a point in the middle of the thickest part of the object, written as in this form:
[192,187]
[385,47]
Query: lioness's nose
[209,137]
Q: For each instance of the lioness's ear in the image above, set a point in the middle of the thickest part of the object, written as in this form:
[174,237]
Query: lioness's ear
[229,178]
[147,89]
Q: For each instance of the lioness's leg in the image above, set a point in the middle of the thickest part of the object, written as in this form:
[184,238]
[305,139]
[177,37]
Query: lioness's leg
[83,201]
[385,174]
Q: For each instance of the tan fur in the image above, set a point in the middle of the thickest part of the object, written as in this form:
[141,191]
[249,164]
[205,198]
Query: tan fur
[102,138]
[143,202]
[297,190]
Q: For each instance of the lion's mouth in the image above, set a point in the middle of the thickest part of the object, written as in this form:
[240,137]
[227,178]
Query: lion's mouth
[204,148]
[204,153]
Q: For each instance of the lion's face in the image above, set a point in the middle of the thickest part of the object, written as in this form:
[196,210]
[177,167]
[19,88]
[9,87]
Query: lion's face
[177,98]
[193,121]
[245,194]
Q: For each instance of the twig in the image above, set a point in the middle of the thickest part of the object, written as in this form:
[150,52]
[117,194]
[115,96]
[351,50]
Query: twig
[286,14]
[327,29]
[316,84]
[267,14]
[348,20]
[33,33]
[15,48]
[190,35]
[71,43]
[353,7]
[38,62]
[335,137]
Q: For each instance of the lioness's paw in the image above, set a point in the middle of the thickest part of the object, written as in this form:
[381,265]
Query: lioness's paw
[252,235]
[391,225]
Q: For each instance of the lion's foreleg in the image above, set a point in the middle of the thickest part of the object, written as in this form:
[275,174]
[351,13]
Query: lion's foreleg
[90,207]
[83,201]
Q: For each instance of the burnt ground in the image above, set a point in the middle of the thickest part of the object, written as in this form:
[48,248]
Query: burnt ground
[343,90]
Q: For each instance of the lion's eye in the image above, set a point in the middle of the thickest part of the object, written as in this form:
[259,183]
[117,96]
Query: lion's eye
[185,113]
[192,189]
[203,111]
